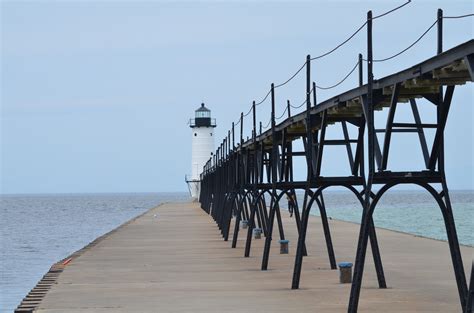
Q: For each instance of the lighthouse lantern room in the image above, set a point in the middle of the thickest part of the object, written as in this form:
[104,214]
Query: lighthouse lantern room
[202,126]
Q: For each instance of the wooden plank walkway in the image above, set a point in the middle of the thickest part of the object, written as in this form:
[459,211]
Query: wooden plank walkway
[173,259]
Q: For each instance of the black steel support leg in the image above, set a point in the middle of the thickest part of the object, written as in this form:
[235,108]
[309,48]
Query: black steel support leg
[470,295]
[359,262]
[245,211]
[301,243]
[454,247]
[222,215]
[296,211]
[264,215]
[327,232]
[228,219]
[251,225]
[241,213]
[258,213]
[268,238]
[376,254]
[279,221]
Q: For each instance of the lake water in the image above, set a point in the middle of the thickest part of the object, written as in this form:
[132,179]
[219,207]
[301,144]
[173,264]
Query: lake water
[413,212]
[39,230]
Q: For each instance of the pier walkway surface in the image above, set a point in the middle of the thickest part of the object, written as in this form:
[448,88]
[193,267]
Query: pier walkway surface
[173,259]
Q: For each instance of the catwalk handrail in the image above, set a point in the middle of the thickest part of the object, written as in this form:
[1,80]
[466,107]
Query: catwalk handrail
[257,103]
[411,72]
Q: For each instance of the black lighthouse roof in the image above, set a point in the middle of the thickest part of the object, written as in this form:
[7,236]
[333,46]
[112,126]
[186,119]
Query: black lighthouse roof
[202,118]
[203,108]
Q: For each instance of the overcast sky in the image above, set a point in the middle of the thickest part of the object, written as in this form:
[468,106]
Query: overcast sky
[96,96]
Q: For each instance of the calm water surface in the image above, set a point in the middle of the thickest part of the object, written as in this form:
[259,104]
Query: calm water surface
[39,230]
[414,212]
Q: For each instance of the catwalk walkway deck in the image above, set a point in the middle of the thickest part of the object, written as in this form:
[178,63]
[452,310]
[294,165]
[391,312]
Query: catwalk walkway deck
[173,259]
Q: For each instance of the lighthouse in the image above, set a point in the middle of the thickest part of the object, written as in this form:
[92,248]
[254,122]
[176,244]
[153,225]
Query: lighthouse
[202,127]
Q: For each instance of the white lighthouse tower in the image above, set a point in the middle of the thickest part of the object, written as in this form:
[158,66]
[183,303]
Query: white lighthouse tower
[202,127]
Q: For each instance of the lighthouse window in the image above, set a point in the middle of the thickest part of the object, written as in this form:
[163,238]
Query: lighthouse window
[210,134]
[203,114]
[195,134]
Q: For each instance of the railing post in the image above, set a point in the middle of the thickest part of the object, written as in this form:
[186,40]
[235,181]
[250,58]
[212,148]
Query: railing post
[241,129]
[226,153]
[308,82]
[304,220]
[228,143]
[222,152]
[439,49]
[254,116]
[253,179]
[273,204]
[370,108]
[308,118]
[440,32]
[314,94]
[366,220]
[273,107]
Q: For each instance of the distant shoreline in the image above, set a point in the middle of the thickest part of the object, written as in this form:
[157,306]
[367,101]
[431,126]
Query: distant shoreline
[91,193]
[186,191]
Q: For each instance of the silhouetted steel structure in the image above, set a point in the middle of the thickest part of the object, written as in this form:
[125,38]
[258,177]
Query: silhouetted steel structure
[240,174]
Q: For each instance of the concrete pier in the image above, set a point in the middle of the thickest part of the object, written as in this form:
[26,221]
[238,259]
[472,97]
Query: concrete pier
[173,259]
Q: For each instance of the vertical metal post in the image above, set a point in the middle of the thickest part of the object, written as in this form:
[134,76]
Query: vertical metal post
[365,223]
[470,295]
[253,177]
[222,151]
[305,215]
[360,139]
[308,82]
[440,106]
[314,94]
[308,118]
[370,108]
[225,148]
[288,107]
[254,115]
[241,129]
[440,32]
[273,203]
[233,136]
[228,143]
[273,112]
[443,106]
[254,138]
[238,181]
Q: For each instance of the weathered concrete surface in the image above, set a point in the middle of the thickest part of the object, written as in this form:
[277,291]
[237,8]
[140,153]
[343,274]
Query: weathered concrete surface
[177,261]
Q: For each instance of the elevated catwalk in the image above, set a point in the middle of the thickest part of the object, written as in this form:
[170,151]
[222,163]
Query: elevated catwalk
[247,179]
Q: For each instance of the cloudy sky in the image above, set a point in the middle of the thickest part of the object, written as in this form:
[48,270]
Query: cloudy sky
[96,96]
